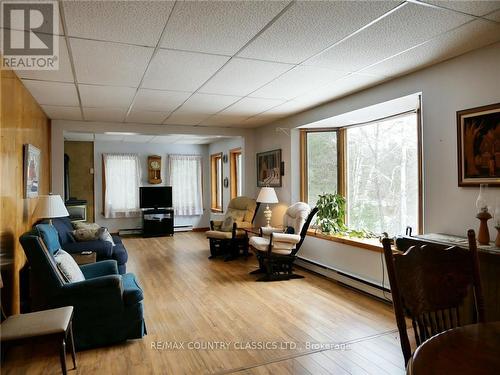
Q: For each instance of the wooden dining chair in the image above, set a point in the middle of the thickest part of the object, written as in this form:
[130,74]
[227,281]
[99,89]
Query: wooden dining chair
[429,285]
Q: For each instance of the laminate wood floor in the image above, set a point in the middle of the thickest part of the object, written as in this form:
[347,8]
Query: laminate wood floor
[212,317]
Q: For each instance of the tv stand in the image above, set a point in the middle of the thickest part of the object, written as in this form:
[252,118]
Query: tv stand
[158,222]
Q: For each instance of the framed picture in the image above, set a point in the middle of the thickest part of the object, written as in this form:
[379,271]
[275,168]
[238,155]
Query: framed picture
[31,171]
[269,168]
[479,146]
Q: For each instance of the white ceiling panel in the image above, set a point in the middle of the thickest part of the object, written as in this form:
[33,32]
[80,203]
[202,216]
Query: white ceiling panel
[137,138]
[223,120]
[106,96]
[240,77]
[165,138]
[82,137]
[63,74]
[495,16]
[156,100]
[109,63]
[470,36]
[134,22]
[408,26]
[147,117]
[251,106]
[186,118]
[104,114]
[183,71]
[53,93]
[218,27]
[62,113]
[297,81]
[207,103]
[109,137]
[476,8]
[310,26]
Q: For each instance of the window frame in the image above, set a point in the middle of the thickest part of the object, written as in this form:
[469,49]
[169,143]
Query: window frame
[214,179]
[233,165]
[342,159]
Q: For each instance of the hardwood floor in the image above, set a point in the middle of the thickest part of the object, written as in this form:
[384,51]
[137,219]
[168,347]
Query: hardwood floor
[194,302]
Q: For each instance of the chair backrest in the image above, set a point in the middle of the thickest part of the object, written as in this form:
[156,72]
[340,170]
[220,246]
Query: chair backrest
[299,216]
[429,284]
[242,207]
[64,229]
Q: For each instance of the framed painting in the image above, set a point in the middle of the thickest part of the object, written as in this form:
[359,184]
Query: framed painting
[479,146]
[269,168]
[31,171]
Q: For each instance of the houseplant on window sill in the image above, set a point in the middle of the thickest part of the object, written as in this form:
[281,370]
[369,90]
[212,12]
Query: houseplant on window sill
[330,219]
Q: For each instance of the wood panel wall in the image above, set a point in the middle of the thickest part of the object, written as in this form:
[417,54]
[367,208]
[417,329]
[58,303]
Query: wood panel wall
[21,121]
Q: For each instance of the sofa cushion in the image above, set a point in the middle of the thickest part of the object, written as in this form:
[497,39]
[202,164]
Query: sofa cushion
[262,244]
[104,235]
[132,292]
[82,235]
[49,236]
[120,254]
[64,229]
[68,267]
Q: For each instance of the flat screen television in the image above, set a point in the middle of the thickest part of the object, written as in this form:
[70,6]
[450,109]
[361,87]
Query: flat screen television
[155,196]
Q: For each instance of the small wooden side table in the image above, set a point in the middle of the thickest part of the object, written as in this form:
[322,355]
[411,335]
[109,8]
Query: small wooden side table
[82,259]
[52,324]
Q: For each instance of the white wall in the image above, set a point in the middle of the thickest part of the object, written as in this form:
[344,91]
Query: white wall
[467,81]
[144,150]
[225,146]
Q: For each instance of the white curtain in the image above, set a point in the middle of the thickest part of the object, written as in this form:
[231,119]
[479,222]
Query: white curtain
[121,197]
[185,179]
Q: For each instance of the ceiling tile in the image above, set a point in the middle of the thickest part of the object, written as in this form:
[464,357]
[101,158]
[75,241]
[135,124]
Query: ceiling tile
[147,117]
[223,120]
[63,74]
[109,137]
[297,81]
[104,114]
[217,27]
[137,138]
[240,77]
[473,35]
[53,93]
[477,8]
[134,22]
[106,96]
[62,113]
[109,63]
[165,138]
[82,137]
[495,16]
[247,107]
[183,71]
[186,118]
[207,103]
[308,27]
[408,26]
[156,100]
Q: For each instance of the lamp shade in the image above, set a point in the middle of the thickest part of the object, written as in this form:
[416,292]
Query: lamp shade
[50,206]
[267,195]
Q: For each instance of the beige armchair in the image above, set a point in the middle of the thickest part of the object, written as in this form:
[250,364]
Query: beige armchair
[276,249]
[227,237]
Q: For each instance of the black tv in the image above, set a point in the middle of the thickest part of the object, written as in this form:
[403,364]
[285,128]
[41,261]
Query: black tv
[155,196]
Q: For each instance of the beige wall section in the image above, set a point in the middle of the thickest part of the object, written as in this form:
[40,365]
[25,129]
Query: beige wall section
[81,180]
[21,121]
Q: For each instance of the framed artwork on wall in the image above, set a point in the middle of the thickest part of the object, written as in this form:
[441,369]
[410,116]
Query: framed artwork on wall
[478,134]
[269,168]
[31,171]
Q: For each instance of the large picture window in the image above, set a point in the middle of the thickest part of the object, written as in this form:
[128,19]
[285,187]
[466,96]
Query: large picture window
[375,166]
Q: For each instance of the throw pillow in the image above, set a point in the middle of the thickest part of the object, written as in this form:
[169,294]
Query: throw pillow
[86,234]
[227,224]
[289,230]
[68,267]
[104,235]
[84,225]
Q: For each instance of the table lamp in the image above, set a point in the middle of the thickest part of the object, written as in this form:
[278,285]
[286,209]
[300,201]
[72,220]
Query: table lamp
[49,207]
[267,195]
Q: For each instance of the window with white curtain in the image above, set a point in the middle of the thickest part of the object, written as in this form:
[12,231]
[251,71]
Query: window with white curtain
[122,175]
[185,177]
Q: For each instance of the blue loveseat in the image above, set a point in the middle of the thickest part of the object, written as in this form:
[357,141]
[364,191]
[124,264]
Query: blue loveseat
[108,307]
[103,249]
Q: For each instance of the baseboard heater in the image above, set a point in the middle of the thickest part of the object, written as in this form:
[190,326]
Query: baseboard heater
[183,228]
[346,279]
[130,232]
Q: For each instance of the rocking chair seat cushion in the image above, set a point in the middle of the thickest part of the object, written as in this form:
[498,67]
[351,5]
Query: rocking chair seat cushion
[262,244]
[285,237]
[220,235]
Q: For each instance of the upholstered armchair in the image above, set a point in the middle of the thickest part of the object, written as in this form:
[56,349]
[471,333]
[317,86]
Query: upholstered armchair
[108,307]
[276,249]
[227,237]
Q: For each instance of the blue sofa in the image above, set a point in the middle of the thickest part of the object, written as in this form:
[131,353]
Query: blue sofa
[108,307]
[103,249]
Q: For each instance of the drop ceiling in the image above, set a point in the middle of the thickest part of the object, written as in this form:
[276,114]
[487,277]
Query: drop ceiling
[144,138]
[243,63]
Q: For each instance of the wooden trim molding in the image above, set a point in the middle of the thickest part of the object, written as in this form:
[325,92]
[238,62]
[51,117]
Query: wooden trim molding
[233,171]
[201,229]
[214,177]
[372,244]
[303,165]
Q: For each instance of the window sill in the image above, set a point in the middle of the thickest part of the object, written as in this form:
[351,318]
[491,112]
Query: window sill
[372,244]
[216,210]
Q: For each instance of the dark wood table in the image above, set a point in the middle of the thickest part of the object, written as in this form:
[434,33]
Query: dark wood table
[472,349]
